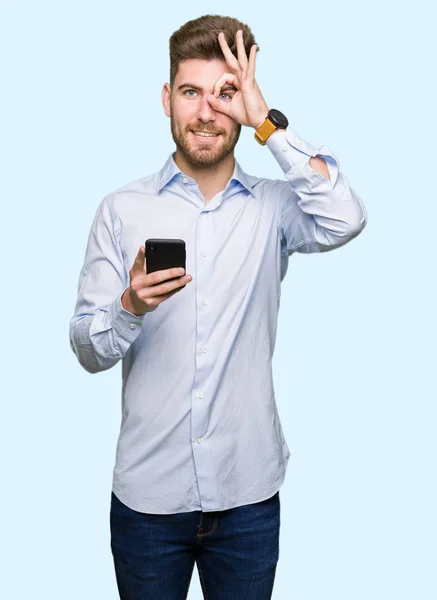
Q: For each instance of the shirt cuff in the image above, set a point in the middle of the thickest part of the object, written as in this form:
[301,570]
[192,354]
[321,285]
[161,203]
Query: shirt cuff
[125,324]
[293,153]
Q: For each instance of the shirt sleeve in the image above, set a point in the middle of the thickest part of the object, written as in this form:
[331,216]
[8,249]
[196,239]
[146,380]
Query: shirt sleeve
[101,330]
[316,214]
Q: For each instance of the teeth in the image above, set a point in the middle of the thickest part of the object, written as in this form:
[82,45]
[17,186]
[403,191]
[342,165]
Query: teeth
[203,134]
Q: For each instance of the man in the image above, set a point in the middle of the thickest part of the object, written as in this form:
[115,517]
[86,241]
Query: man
[201,454]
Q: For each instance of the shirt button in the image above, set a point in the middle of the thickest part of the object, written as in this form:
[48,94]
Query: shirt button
[204,350]
[203,254]
[132,326]
[204,302]
[200,395]
[298,143]
[285,148]
[313,172]
[199,440]
[185,180]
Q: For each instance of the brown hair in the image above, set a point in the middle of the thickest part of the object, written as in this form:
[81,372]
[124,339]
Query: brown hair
[199,39]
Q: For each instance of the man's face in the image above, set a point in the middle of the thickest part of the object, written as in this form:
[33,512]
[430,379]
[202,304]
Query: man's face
[190,112]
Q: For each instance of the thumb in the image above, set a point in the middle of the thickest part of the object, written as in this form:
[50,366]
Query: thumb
[139,260]
[219,105]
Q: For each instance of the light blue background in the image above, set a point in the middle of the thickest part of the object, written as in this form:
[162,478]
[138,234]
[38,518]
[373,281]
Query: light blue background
[81,116]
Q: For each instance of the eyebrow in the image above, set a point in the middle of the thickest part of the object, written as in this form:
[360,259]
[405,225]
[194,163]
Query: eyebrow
[199,89]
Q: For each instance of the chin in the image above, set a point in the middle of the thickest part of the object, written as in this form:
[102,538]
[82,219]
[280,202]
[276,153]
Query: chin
[205,157]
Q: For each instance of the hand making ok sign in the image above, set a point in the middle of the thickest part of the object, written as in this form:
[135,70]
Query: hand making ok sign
[247,106]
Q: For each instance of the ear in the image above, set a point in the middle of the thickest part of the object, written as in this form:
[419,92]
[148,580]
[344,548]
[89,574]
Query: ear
[166,93]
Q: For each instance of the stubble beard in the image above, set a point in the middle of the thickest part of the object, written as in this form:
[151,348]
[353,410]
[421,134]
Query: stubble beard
[203,155]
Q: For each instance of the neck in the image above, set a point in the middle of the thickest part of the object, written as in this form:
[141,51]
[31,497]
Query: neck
[210,180]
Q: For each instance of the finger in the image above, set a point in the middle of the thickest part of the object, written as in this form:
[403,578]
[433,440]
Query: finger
[229,57]
[220,82]
[157,277]
[138,265]
[252,63]
[167,286]
[162,297]
[241,50]
[219,105]
[153,303]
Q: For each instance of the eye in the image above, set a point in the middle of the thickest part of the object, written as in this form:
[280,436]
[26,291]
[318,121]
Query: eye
[225,94]
[186,92]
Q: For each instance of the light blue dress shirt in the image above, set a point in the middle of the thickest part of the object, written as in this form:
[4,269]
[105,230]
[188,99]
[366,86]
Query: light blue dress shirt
[200,428]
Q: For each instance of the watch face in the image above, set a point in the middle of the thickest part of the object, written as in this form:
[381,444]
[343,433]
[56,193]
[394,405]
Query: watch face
[277,118]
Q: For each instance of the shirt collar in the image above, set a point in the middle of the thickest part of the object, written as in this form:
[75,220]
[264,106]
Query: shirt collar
[167,173]
[170,170]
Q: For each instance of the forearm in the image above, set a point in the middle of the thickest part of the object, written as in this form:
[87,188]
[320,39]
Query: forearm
[101,339]
[92,352]
[101,329]
[318,164]
[320,210]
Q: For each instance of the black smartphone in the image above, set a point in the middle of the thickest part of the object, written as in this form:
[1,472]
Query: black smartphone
[165,253]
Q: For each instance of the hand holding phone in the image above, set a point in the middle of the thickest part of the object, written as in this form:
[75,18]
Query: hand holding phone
[148,290]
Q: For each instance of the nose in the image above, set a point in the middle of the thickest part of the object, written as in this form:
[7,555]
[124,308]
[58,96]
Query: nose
[206,112]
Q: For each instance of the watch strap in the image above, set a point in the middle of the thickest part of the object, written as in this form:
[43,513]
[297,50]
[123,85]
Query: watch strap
[264,131]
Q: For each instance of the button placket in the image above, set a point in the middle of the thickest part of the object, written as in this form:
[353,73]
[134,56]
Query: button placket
[203,368]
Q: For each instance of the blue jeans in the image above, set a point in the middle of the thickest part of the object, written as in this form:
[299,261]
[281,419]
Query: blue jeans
[236,552]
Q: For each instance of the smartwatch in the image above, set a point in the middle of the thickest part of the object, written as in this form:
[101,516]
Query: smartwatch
[274,120]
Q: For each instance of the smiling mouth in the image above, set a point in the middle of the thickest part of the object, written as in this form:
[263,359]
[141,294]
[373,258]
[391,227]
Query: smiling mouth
[205,135]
